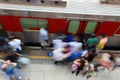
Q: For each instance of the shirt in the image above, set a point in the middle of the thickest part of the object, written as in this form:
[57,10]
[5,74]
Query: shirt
[43,35]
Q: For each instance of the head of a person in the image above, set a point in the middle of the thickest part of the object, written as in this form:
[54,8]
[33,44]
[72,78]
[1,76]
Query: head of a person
[112,56]
[11,37]
[59,32]
[67,46]
[46,28]
[103,34]
[93,35]
[92,50]
[86,55]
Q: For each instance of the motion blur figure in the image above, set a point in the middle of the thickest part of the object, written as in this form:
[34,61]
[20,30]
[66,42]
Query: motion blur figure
[103,41]
[43,36]
[60,54]
[10,70]
[78,65]
[107,61]
[15,44]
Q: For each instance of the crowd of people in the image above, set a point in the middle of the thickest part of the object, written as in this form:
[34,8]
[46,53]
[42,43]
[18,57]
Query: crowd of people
[13,58]
[81,50]
[78,49]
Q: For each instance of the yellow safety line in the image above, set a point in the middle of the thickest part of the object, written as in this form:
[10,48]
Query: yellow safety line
[47,57]
[40,57]
[36,57]
[1,55]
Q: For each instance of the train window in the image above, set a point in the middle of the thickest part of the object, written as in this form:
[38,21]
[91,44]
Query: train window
[42,23]
[90,27]
[27,24]
[73,26]
[33,24]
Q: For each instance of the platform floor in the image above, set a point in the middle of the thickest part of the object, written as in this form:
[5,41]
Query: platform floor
[48,71]
[42,67]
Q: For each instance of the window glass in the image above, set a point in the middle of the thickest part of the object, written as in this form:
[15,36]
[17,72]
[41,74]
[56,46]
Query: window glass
[42,23]
[73,26]
[33,24]
[28,23]
[90,27]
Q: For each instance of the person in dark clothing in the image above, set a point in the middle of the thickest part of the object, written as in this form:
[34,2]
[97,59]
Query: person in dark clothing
[70,38]
[83,63]
[82,38]
[3,44]
[92,53]
[80,63]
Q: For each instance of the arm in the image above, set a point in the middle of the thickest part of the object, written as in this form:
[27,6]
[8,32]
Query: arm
[3,61]
[76,61]
[18,54]
[11,63]
[86,63]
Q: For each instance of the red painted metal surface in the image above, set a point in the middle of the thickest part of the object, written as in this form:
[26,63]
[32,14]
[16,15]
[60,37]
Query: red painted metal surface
[54,25]
[108,28]
[11,23]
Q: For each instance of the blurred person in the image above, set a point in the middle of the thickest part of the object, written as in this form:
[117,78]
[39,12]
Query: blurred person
[15,44]
[43,36]
[91,54]
[59,35]
[92,41]
[89,70]
[82,39]
[103,41]
[78,65]
[10,70]
[3,44]
[58,43]
[75,46]
[60,54]
[77,54]
[70,37]
[107,60]
[117,62]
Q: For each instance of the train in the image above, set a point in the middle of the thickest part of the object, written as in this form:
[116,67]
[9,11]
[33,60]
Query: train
[28,24]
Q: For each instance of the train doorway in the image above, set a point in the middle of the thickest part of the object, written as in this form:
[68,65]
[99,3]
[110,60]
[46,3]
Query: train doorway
[31,28]
[77,26]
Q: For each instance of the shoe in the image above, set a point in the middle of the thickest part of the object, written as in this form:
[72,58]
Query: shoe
[73,72]
[88,76]
[55,62]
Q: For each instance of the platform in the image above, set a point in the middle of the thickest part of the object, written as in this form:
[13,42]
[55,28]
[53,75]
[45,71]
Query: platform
[48,71]
[42,67]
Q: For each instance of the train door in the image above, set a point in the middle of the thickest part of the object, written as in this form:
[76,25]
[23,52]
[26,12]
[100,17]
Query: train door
[76,26]
[31,28]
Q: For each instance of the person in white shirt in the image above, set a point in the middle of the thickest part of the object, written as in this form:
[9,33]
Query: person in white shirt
[60,55]
[43,36]
[15,44]
[75,46]
[58,43]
